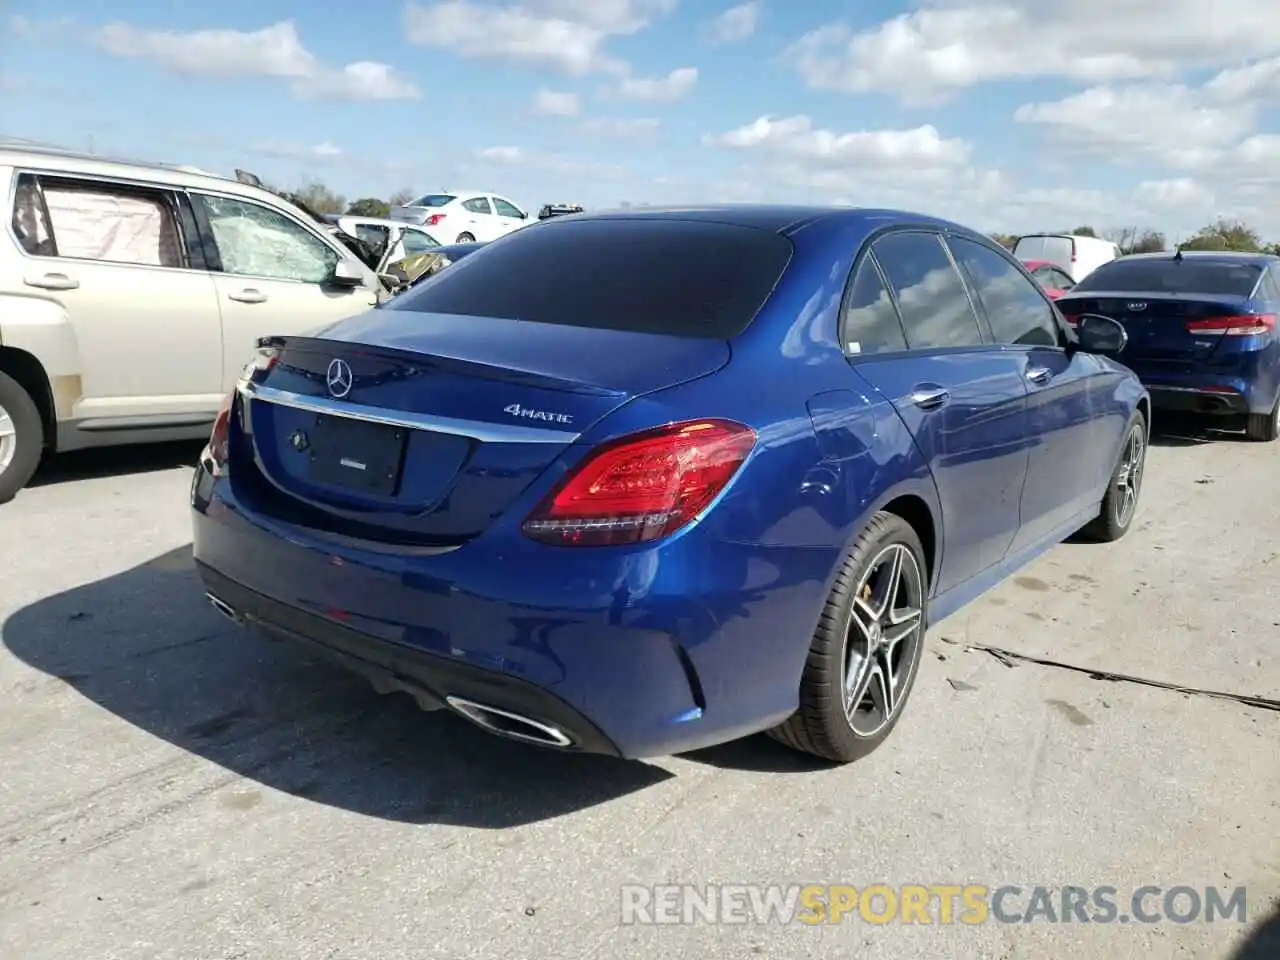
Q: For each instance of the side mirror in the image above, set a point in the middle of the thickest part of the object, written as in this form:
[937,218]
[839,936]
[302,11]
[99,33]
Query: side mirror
[345,274]
[1099,334]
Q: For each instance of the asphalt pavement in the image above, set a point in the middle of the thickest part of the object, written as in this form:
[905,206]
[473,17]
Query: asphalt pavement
[172,787]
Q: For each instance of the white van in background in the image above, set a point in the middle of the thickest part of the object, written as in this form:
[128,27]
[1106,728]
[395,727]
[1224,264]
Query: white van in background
[1077,255]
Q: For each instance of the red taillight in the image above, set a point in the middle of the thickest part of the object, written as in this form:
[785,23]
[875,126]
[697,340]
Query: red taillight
[1245,325]
[221,434]
[644,486]
[1073,319]
[435,219]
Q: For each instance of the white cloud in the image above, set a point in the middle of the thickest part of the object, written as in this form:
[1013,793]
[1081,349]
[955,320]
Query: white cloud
[735,24]
[550,103]
[629,128]
[553,163]
[676,85]
[325,152]
[796,137]
[1255,81]
[565,34]
[1176,125]
[922,55]
[275,51]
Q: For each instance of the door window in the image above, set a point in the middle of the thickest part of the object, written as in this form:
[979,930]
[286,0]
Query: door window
[87,220]
[505,209]
[415,241]
[254,241]
[932,301]
[477,205]
[1059,280]
[375,235]
[1016,309]
[1271,284]
[869,323]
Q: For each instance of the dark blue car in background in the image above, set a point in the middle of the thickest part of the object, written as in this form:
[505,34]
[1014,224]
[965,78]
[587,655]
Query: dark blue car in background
[1201,330]
[636,483]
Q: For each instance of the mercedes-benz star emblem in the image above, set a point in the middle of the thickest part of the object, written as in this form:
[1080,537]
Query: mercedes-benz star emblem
[339,378]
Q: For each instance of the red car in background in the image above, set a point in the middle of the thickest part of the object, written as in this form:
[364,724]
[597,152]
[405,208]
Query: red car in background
[1050,276]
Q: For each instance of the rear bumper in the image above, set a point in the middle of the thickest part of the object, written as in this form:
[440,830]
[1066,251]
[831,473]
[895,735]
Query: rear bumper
[429,679]
[1231,384]
[1222,401]
[631,652]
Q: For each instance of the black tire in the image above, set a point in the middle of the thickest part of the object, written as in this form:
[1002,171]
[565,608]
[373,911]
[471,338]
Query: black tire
[27,439]
[822,725]
[1114,520]
[466,238]
[1263,427]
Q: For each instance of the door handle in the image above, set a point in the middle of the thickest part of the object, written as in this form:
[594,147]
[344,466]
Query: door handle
[248,295]
[52,281]
[930,398]
[1039,374]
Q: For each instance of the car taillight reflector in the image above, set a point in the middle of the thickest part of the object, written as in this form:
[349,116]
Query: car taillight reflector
[220,436]
[1245,325]
[644,486]
[434,219]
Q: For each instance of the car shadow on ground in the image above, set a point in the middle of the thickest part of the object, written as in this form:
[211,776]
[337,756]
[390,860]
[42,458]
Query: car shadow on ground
[1263,942]
[116,462]
[144,645]
[1192,431]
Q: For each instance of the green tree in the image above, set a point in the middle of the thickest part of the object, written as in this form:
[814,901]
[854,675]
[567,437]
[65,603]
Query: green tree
[1225,235]
[1084,232]
[369,207]
[1137,240]
[1006,240]
[401,197]
[319,198]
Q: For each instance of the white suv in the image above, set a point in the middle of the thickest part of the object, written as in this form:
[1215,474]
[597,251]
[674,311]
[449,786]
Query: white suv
[132,295]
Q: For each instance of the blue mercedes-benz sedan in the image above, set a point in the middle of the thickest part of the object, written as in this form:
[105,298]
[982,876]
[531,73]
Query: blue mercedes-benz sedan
[641,482]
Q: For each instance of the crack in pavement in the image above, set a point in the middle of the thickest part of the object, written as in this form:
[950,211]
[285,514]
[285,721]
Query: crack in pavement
[1008,658]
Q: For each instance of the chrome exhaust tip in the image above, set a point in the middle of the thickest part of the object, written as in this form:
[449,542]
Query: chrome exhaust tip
[225,609]
[504,723]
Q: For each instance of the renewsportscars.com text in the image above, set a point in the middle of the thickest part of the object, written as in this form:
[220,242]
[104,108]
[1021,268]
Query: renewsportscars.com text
[937,903]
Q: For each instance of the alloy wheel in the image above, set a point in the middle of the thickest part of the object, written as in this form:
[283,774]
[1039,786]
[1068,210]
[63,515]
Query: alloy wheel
[8,440]
[1128,481]
[883,639]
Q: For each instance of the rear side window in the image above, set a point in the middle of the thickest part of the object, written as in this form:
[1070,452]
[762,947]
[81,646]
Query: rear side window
[477,205]
[870,321]
[1166,275]
[932,301]
[684,278]
[434,200]
[1271,284]
[415,241]
[1017,311]
[1054,249]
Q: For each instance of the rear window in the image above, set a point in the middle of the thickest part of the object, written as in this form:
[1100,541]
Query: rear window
[1054,249]
[684,278]
[1219,278]
[433,200]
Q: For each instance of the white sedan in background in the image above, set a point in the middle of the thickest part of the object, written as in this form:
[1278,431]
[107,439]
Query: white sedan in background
[463,216]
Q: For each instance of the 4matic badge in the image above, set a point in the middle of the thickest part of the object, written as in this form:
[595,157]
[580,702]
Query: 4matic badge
[526,413]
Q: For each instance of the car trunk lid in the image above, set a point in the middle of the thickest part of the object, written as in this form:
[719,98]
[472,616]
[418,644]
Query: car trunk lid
[1180,328]
[417,427]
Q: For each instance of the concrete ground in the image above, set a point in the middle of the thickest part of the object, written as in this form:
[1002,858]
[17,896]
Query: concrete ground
[173,788]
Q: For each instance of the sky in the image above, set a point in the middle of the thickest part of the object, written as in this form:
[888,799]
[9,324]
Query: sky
[1007,115]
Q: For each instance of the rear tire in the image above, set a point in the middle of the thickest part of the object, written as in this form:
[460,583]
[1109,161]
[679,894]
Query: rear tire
[866,651]
[21,438]
[1120,504]
[466,238]
[1264,427]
